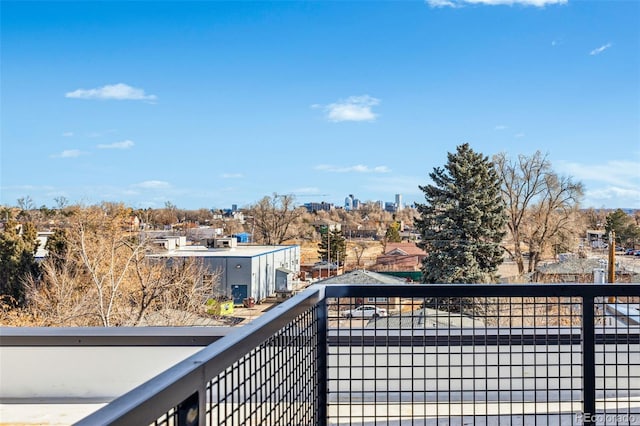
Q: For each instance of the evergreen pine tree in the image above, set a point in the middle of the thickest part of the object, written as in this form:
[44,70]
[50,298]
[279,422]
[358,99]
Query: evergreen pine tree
[18,245]
[462,223]
[333,246]
[627,232]
[393,233]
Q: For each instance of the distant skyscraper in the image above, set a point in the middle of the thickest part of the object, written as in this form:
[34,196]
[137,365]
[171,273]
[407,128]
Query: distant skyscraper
[399,202]
[348,202]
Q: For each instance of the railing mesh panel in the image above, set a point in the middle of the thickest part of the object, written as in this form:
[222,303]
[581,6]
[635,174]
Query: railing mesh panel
[168,419]
[275,384]
[617,361]
[455,361]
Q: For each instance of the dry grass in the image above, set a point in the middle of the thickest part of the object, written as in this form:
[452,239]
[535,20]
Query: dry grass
[373,249]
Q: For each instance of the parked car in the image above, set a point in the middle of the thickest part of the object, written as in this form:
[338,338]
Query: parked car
[365,311]
[629,252]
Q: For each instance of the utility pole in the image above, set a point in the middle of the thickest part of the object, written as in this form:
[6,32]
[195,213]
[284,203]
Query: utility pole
[612,257]
[328,252]
[612,262]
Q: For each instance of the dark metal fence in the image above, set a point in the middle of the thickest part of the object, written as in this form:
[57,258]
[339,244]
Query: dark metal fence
[425,355]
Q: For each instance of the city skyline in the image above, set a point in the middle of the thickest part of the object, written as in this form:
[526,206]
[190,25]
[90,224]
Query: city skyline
[209,104]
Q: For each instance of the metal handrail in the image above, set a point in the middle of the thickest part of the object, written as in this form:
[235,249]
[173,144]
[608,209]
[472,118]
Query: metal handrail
[482,290]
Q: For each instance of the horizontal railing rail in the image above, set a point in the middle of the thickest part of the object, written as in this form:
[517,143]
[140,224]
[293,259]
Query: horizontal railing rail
[482,290]
[487,337]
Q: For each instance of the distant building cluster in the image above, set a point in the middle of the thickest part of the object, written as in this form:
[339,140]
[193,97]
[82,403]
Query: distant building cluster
[315,207]
[352,203]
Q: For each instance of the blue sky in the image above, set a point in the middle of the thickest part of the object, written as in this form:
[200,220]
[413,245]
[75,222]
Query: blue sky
[208,104]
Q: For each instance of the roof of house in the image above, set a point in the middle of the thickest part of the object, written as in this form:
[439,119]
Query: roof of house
[239,251]
[425,318]
[404,249]
[573,266]
[361,276]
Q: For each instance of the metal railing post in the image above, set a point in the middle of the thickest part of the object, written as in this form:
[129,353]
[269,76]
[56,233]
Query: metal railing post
[588,360]
[190,411]
[322,362]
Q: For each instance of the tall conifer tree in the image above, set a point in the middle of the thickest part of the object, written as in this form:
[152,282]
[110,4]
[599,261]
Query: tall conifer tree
[462,221]
[18,245]
[333,246]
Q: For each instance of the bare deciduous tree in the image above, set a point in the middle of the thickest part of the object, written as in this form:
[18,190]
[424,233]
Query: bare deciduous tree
[358,249]
[60,297]
[554,215]
[540,205]
[173,291]
[99,274]
[106,252]
[274,217]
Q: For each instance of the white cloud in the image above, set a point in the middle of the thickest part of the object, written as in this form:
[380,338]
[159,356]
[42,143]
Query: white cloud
[153,184]
[500,127]
[441,3]
[615,194]
[359,168]
[118,92]
[624,174]
[68,153]
[612,184]
[67,134]
[519,135]
[460,3]
[600,49]
[354,108]
[231,175]
[117,145]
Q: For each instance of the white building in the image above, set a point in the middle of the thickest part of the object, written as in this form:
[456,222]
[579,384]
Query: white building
[246,271]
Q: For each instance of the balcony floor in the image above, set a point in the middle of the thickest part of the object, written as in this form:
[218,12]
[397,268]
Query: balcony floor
[35,413]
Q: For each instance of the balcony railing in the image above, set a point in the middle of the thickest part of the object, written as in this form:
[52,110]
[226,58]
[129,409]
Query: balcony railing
[437,354]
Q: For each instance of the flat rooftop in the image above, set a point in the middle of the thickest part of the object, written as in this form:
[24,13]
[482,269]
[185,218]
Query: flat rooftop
[239,251]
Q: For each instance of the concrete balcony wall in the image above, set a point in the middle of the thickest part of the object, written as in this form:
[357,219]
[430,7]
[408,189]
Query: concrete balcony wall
[85,373]
[87,364]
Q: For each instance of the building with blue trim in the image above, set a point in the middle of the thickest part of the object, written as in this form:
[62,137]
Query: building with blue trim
[245,270]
